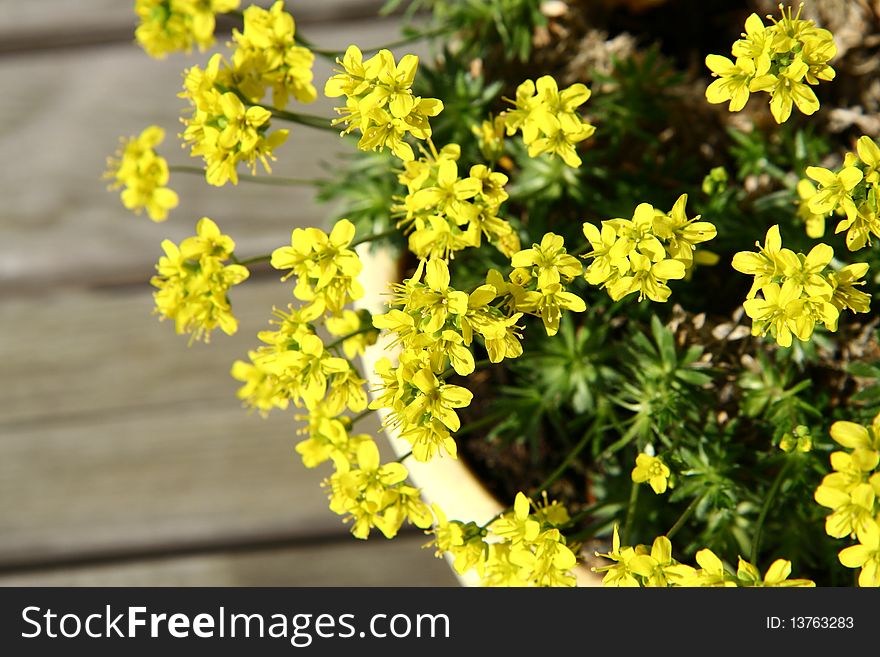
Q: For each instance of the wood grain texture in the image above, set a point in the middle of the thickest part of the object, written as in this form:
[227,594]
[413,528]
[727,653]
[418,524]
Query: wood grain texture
[116,437]
[376,562]
[61,118]
[46,23]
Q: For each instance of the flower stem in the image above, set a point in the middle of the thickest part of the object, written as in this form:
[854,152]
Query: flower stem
[360,331]
[309,120]
[688,512]
[562,467]
[279,181]
[374,236]
[765,509]
[333,54]
[401,459]
[630,512]
[252,261]
[360,416]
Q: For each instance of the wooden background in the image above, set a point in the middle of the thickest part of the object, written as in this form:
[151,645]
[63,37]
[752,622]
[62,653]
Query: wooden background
[125,458]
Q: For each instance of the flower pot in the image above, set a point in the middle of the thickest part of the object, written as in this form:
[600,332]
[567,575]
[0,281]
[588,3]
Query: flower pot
[445,481]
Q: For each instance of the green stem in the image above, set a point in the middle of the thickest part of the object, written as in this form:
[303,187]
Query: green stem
[360,416]
[279,181]
[688,512]
[251,261]
[569,459]
[333,54]
[309,120]
[360,331]
[556,473]
[765,509]
[630,512]
[372,237]
[404,457]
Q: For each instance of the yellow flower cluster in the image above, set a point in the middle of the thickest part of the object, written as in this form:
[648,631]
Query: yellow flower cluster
[167,26]
[852,492]
[799,291]
[193,281]
[380,102]
[644,253]
[326,269]
[446,213]
[519,548]
[548,268]
[436,324]
[656,567]
[375,495]
[851,192]
[432,325]
[548,118]
[783,59]
[143,174]
[267,57]
[294,365]
[222,129]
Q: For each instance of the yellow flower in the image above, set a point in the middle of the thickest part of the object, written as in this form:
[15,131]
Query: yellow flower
[787,88]
[782,59]
[651,469]
[865,555]
[776,575]
[733,81]
[517,526]
[193,282]
[680,233]
[463,541]
[170,25]
[835,190]
[766,265]
[852,512]
[548,304]
[644,253]
[379,101]
[621,574]
[348,323]
[266,56]
[864,441]
[436,401]
[782,313]
[143,174]
[548,118]
[549,261]
[222,130]
[326,269]
[363,491]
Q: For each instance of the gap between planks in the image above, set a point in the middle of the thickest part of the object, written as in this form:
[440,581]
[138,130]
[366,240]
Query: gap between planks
[402,561]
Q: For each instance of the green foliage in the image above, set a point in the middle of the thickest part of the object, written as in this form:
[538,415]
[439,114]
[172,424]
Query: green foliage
[640,377]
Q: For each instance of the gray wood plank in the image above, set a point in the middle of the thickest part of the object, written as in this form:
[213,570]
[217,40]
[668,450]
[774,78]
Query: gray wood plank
[64,115]
[349,562]
[179,475]
[115,436]
[40,20]
[71,354]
